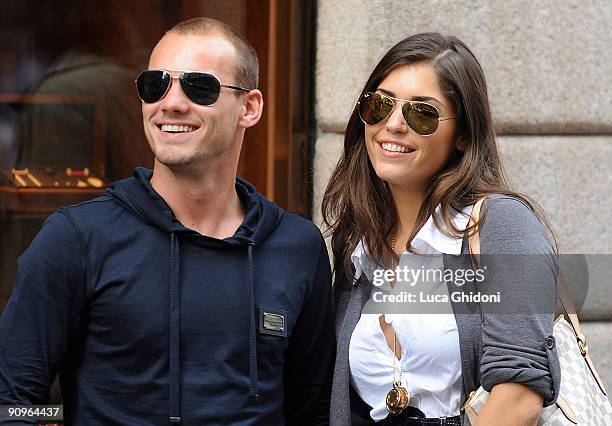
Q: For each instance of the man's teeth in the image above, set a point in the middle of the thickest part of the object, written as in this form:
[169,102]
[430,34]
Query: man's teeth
[394,148]
[176,128]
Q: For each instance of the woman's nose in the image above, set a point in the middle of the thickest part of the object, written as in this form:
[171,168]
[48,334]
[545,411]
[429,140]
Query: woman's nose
[396,121]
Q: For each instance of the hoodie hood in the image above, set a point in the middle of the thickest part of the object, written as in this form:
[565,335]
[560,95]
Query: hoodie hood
[262,217]
[138,196]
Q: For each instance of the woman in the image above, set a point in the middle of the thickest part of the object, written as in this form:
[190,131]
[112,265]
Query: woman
[419,152]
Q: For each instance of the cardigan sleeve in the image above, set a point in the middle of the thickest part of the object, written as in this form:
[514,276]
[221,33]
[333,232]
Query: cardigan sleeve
[517,333]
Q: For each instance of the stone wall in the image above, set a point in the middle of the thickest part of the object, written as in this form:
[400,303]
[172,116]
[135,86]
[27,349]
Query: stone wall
[549,74]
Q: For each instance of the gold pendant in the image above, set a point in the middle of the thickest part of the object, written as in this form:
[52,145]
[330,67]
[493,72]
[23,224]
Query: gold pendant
[397,399]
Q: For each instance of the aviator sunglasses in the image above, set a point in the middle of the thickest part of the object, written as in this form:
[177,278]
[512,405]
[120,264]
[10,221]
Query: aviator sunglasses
[422,117]
[200,87]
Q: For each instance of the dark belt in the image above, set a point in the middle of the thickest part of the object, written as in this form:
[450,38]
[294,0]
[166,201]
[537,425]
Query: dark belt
[411,416]
[425,421]
[438,421]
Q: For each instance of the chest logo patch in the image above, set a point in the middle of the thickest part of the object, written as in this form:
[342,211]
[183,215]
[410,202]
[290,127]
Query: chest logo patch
[272,321]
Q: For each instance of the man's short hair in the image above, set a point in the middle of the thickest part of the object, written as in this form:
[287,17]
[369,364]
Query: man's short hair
[247,62]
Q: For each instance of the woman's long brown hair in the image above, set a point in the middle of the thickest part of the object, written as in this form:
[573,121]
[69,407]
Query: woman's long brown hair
[357,204]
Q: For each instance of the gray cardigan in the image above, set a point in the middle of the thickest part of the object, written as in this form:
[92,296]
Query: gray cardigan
[495,348]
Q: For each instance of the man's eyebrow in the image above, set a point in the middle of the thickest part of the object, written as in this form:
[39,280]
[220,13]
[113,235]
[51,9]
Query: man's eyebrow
[414,98]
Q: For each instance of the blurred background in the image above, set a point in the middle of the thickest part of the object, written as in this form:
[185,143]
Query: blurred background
[70,118]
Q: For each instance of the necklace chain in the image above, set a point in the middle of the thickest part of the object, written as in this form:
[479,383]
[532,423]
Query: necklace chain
[393,259]
[397,380]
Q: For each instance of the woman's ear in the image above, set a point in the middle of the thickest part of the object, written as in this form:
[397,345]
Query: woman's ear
[253,109]
[460,144]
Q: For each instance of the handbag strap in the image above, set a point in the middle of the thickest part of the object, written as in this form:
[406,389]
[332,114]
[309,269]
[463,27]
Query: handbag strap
[564,294]
[570,310]
[474,237]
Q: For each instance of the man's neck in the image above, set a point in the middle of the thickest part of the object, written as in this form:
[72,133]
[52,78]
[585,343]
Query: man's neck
[207,202]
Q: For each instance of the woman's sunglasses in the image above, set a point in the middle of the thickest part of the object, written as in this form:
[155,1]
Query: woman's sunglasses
[200,87]
[422,117]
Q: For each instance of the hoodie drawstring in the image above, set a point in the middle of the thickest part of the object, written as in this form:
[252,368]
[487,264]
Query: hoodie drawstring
[175,354]
[175,414]
[253,379]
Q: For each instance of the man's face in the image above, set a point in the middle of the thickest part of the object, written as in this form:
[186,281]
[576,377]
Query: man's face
[205,133]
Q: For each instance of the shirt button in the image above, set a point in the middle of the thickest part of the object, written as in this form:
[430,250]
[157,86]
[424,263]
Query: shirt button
[550,342]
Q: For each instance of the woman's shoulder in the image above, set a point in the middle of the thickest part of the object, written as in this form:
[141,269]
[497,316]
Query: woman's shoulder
[510,225]
[508,210]
[503,202]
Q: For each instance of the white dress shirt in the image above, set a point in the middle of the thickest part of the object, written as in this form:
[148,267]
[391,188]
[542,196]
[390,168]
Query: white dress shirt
[430,357]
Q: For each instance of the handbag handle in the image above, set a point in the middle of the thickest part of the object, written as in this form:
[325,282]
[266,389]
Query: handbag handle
[564,295]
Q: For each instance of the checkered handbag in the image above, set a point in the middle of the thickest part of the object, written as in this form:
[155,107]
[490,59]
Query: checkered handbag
[582,398]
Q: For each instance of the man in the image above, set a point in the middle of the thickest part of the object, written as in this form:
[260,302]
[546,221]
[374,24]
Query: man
[180,295]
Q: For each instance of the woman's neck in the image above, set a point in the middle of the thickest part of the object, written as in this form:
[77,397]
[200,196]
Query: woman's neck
[408,202]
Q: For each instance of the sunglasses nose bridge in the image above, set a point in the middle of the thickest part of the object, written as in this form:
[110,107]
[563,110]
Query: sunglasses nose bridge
[396,120]
[174,98]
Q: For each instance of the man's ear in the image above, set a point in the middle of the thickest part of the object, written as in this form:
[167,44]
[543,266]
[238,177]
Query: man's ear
[460,144]
[252,109]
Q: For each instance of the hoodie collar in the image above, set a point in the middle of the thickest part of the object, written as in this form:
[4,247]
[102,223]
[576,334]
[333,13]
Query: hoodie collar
[137,196]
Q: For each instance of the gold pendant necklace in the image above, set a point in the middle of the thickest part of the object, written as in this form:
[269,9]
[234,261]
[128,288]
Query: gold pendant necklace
[398,397]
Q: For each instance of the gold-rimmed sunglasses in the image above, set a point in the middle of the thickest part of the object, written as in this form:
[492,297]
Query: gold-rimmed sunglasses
[422,117]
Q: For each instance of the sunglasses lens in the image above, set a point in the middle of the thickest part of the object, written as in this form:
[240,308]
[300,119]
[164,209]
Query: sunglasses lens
[421,117]
[152,85]
[201,88]
[374,108]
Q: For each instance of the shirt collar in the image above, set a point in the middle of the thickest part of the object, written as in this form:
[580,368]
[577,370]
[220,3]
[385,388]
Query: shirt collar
[429,240]
[358,257]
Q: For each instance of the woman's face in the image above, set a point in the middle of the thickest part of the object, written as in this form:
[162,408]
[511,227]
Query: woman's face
[423,156]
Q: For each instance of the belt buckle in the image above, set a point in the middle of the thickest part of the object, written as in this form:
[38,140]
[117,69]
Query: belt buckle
[448,421]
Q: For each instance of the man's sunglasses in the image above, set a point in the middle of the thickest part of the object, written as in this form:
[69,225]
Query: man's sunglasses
[200,87]
[422,117]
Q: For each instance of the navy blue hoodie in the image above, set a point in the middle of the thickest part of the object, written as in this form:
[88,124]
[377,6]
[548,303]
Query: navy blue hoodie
[147,321]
